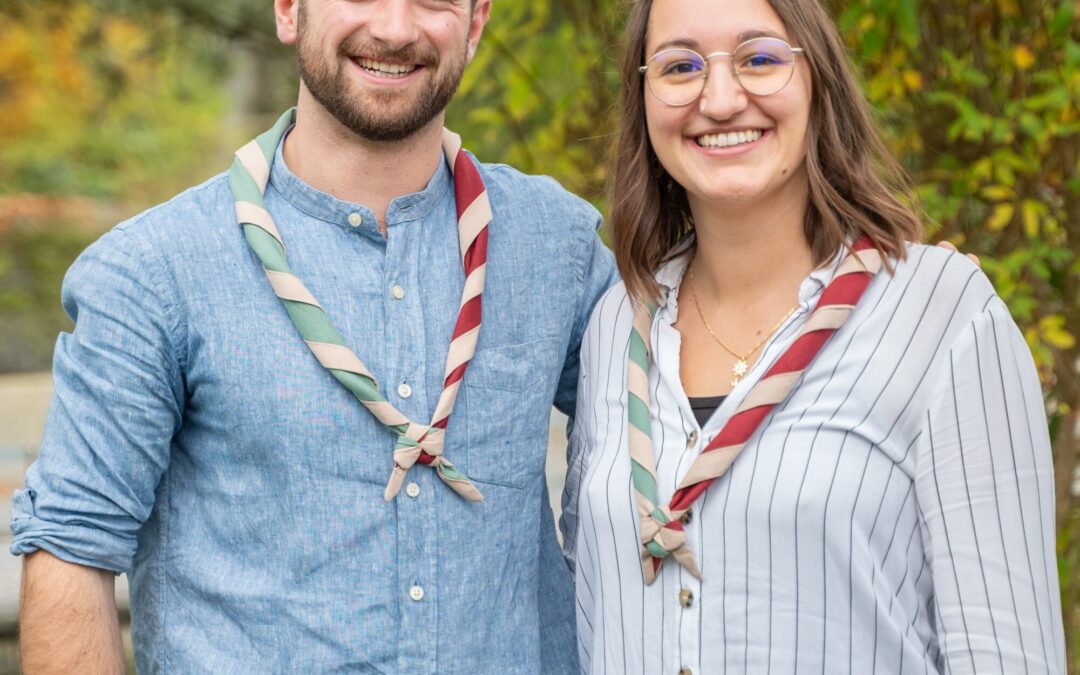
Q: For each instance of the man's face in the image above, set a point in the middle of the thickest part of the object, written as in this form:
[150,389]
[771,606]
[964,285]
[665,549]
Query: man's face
[386,68]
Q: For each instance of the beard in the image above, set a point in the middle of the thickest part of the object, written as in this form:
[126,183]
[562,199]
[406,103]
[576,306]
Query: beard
[377,115]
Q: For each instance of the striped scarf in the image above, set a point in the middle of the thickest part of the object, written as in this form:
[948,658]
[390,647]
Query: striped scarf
[662,533]
[421,443]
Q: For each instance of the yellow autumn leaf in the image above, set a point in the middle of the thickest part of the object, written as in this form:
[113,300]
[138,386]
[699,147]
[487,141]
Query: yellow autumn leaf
[913,80]
[1022,57]
[1031,337]
[1002,216]
[1053,332]
[998,193]
[1031,212]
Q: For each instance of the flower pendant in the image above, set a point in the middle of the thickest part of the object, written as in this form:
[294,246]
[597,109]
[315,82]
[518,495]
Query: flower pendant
[739,370]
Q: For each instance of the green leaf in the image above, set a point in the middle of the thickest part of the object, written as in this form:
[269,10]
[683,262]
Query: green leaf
[1064,19]
[907,17]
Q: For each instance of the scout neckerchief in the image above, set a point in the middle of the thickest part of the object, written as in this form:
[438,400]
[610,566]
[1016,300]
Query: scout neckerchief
[415,442]
[662,532]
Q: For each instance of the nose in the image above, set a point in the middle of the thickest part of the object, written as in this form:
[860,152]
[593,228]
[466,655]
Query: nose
[394,23]
[722,97]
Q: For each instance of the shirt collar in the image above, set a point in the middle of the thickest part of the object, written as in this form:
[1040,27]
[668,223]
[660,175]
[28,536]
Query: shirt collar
[670,275]
[326,207]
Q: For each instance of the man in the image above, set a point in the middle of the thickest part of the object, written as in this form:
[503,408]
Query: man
[282,411]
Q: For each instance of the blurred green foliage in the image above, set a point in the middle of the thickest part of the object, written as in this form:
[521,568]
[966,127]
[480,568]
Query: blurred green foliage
[97,104]
[124,99]
[33,259]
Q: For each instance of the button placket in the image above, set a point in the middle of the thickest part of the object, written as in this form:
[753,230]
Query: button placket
[417,517]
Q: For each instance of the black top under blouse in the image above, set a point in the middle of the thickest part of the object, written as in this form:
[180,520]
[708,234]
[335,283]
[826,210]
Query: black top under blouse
[705,406]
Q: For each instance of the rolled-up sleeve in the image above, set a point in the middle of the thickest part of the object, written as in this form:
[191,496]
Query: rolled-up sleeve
[117,403]
[986,495]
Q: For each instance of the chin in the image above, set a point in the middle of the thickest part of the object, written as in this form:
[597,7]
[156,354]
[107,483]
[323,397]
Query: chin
[731,195]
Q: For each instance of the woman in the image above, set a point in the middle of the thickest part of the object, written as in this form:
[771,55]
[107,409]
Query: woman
[803,444]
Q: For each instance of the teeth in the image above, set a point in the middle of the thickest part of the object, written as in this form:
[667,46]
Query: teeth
[729,139]
[391,69]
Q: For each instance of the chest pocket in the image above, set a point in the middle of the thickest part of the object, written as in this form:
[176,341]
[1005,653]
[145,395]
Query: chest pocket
[508,392]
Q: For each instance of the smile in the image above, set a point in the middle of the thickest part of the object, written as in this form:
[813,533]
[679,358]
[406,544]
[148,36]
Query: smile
[729,139]
[387,70]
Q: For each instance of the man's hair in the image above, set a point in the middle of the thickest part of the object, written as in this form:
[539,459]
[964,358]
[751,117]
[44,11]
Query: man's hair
[854,181]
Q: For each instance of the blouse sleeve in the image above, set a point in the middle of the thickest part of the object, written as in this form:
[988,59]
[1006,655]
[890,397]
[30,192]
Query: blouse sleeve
[985,487]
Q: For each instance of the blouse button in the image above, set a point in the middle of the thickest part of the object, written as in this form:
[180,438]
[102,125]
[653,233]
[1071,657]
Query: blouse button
[686,598]
[691,440]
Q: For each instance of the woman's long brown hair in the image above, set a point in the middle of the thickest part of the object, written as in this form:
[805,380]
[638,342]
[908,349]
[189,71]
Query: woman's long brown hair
[855,183]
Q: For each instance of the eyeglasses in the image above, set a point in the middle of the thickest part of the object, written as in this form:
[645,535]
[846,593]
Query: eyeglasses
[761,66]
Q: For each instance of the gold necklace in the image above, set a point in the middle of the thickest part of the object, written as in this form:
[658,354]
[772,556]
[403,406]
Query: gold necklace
[742,365]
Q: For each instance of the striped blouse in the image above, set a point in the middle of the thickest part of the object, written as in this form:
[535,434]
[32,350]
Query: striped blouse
[894,515]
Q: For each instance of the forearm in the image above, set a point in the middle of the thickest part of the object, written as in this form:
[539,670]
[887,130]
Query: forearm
[67,618]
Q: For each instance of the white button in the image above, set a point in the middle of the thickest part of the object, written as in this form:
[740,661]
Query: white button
[398,292]
[416,593]
[404,390]
[412,489]
[356,220]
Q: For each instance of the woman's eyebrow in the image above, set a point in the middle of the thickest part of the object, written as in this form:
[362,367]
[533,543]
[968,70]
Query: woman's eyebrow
[751,34]
[690,43]
[677,42]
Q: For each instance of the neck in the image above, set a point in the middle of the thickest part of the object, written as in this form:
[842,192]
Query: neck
[331,158]
[752,254]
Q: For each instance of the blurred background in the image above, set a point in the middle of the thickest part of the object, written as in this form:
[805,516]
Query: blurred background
[113,105]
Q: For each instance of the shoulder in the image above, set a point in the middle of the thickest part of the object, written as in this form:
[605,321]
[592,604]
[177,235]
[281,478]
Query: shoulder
[150,246]
[611,320]
[189,214]
[546,203]
[932,299]
[934,277]
[173,228]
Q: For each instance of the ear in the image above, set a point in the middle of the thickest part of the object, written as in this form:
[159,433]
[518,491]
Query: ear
[480,15]
[286,17]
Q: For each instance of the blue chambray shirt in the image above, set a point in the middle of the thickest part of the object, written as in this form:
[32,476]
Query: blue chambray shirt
[195,442]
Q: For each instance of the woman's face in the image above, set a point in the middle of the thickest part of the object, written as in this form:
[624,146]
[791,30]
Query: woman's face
[765,161]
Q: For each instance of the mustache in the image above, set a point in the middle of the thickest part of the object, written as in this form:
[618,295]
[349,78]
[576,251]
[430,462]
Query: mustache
[360,48]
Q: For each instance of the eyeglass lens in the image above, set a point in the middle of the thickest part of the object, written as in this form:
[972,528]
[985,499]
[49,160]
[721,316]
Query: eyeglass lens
[763,66]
